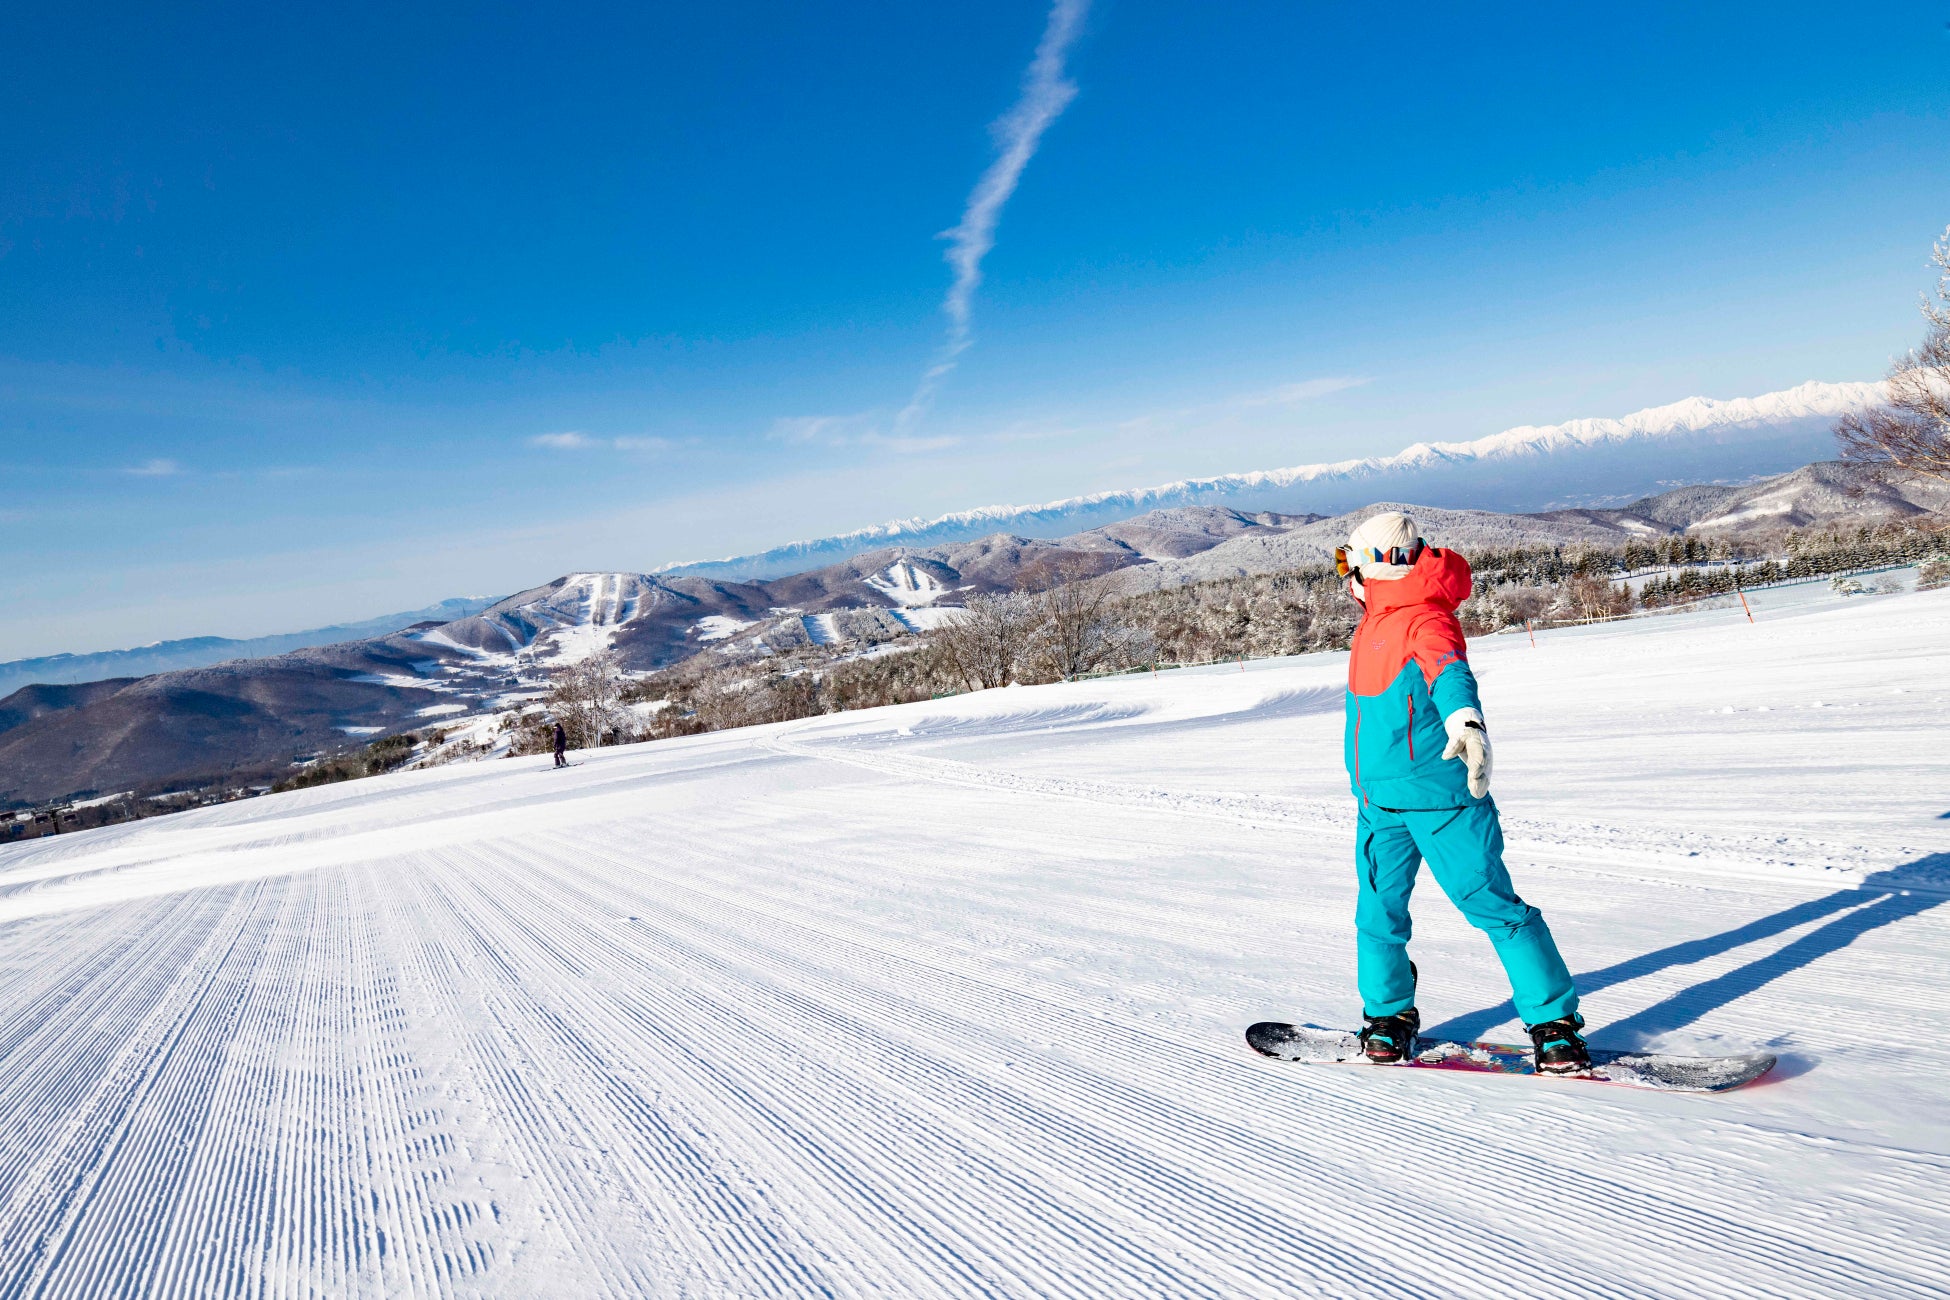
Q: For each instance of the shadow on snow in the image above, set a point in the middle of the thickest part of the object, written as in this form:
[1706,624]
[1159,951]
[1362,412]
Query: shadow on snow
[1882,899]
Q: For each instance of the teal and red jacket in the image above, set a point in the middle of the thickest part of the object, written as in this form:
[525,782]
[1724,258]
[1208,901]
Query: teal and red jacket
[1408,671]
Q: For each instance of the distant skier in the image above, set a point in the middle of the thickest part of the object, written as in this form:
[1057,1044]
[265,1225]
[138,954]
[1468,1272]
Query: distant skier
[1418,755]
[561,746]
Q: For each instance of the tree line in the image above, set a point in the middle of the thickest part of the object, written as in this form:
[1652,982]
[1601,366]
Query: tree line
[1060,627]
[1064,623]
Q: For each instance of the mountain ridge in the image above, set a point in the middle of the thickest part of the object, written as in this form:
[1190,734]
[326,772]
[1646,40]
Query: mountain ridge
[1744,437]
[200,651]
[1806,497]
[246,720]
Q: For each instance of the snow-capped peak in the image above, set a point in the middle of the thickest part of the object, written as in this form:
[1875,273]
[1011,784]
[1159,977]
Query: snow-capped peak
[1524,468]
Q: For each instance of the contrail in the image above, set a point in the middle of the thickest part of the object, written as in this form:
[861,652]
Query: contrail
[1046,92]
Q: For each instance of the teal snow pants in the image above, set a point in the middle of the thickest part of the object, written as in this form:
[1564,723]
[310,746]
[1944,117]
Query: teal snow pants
[1464,850]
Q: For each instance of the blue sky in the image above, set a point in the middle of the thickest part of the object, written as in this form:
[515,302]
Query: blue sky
[307,315]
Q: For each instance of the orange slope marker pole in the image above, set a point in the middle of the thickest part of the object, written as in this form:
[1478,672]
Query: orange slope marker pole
[1743,597]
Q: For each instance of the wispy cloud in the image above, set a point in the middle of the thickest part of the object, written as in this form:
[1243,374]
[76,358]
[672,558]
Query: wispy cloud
[573,441]
[862,430]
[907,445]
[1304,391]
[1236,410]
[1046,92]
[154,469]
[816,428]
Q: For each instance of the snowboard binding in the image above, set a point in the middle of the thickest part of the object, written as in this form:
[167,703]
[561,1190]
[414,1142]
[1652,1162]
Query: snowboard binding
[1390,1040]
[1559,1047]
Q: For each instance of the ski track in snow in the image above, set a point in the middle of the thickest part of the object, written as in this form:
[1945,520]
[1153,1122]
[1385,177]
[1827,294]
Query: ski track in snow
[946,1000]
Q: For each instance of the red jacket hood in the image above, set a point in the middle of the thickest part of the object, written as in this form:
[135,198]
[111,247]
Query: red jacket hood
[1440,578]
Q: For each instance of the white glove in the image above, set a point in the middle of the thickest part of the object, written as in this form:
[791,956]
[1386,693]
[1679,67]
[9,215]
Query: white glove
[1471,743]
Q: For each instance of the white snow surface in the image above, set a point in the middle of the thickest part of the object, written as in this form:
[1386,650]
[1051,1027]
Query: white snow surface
[556,625]
[947,1000]
[719,627]
[595,605]
[821,629]
[926,618]
[907,585]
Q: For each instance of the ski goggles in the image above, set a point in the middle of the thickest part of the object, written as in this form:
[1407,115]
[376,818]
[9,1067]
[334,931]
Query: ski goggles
[1349,559]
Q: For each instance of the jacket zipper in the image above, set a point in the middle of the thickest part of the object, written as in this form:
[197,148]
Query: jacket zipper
[1411,728]
[1357,756]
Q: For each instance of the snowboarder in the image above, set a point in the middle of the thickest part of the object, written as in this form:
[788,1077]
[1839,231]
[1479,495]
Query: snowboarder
[561,746]
[1418,757]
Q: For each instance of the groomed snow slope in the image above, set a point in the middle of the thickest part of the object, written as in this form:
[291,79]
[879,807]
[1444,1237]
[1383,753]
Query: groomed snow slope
[946,1000]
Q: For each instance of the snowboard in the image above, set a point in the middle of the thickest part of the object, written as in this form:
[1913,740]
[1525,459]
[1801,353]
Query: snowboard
[1312,1045]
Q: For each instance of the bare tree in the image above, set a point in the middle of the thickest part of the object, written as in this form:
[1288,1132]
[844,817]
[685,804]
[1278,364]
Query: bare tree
[1077,631]
[1585,595]
[1910,431]
[586,698]
[988,641]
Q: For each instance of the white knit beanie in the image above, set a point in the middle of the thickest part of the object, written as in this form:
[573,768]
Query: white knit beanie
[1381,534]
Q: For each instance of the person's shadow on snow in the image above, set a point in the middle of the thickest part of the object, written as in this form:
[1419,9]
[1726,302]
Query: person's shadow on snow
[1882,899]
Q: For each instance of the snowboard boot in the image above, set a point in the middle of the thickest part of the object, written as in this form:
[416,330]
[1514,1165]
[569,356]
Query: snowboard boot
[1390,1040]
[1560,1047]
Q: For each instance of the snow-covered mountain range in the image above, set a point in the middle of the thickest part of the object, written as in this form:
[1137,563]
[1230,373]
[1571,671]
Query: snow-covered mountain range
[246,718]
[1588,462]
[1814,495]
[651,619]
